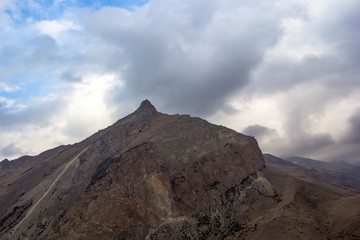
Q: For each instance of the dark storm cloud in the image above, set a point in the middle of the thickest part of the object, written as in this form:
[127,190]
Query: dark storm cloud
[283,74]
[299,110]
[316,81]
[70,77]
[307,144]
[198,57]
[298,143]
[191,62]
[341,27]
[10,150]
[337,67]
[258,131]
[353,133]
[38,113]
[348,147]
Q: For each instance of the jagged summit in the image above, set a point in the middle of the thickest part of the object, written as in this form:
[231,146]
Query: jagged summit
[147,107]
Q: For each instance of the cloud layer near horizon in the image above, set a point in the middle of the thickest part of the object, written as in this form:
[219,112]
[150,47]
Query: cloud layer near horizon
[285,72]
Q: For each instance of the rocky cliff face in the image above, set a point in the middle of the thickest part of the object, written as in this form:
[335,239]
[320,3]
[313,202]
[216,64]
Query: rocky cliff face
[148,176]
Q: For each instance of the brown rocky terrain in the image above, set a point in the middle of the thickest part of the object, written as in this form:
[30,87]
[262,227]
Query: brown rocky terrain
[317,206]
[158,176]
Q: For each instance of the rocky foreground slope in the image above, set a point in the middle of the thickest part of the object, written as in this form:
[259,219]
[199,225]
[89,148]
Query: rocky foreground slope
[158,176]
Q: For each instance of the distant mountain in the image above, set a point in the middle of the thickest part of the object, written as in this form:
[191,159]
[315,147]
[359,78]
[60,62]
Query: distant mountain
[342,174]
[157,176]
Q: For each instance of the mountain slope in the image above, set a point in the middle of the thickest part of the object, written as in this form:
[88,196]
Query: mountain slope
[157,176]
[341,174]
[333,208]
[157,166]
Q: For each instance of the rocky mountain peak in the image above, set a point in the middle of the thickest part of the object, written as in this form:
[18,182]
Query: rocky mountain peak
[146,107]
[158,176]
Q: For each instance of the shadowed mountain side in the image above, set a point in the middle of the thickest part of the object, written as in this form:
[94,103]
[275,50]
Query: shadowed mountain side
[308,210]
[314,195]
[339,174]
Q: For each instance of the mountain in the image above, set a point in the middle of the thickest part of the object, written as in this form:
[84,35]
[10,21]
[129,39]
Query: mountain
[312,201]
[339,173]
[157,176]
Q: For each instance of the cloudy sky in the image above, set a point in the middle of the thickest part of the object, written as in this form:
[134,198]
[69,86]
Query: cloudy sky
[284,71]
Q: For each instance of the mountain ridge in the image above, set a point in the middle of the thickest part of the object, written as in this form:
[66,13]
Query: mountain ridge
[152,175]
[342,175]
[180,152]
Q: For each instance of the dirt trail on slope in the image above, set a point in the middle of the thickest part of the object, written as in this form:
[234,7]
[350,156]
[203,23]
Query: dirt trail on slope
[47,192]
